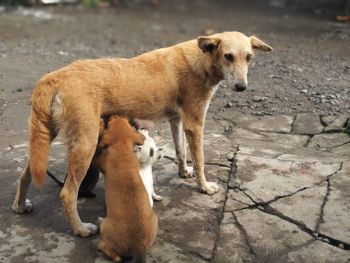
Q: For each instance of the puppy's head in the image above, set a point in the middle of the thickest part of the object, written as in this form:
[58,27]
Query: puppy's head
[230,54]
[119,129]
[147,153]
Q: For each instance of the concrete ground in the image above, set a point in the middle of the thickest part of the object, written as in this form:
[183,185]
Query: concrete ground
[284,197]
[280,151]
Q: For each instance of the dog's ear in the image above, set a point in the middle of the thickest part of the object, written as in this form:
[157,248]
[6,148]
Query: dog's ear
[139,139]
[259,44]
[208,44]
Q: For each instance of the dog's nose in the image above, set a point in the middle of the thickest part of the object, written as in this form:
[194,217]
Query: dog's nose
[240,87]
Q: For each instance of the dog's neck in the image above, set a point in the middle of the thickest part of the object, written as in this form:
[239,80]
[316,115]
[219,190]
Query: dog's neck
[200,64]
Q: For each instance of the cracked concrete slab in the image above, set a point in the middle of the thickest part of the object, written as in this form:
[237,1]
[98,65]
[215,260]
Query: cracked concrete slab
[334,123]
[307,123]
[282,124]
[317,252]
[270,237]
[279,138]
[267,178]
[277,197]
[304,206]
[232,246]
[327,141]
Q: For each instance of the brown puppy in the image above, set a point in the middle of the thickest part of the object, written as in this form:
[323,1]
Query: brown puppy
[177,83]
[130,226]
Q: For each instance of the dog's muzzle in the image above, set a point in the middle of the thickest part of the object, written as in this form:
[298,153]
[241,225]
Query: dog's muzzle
[240,87]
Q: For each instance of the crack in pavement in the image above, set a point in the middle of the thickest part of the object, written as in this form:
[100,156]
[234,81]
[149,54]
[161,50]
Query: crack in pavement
[266,208]
[245,235]
[232,172]
[345,143]
[276,198]
[325,198]
[292,124]
[308,140]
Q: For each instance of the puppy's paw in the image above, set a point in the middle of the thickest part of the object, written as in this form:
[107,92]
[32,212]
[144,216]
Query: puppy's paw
[86,230]
[22,209]
[209,188]
[187,172]
[156,197]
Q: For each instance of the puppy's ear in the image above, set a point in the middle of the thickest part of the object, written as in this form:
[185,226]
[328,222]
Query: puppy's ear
[139,138]
[105,140]
[259,44]
[208,44]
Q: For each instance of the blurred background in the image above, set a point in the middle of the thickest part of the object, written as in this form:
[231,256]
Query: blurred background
[308,71]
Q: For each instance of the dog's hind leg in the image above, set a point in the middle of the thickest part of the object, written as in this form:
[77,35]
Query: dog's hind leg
[80,153]
[21,204]
[179,140]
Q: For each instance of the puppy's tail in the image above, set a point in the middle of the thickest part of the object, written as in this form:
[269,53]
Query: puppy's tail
[41,131]
[138,256]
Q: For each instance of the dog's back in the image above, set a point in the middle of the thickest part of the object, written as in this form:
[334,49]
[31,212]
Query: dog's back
[130,226]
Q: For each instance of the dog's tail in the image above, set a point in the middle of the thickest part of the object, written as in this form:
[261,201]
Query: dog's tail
[41,130]
[138,256]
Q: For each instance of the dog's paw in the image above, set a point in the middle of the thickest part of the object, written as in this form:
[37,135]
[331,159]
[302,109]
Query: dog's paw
[86,230]
[22,209]
[156,197]
[210,188]
[187,172]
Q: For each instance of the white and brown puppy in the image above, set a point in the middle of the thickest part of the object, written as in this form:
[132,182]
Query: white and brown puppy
[148,154]
[176,83]
[130,225]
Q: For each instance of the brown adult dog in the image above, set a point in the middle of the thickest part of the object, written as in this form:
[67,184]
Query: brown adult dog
[130,226]
[177,82]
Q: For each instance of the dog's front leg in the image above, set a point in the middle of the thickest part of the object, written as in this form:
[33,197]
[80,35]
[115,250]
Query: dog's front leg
[179,140]
[193,127]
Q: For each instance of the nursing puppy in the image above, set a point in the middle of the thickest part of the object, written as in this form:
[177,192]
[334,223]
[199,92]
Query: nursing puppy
[176,83]
[148,154]
[130,226]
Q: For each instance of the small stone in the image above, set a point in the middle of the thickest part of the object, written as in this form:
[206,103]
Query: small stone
[230,156]
[228,105]
[334,102]
[227,128]
[304,91]
[258,98]
[341,246]
[326,240]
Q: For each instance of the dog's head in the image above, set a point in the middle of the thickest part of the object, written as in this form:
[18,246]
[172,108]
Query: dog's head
[119,129]
[230,54]
[147,153]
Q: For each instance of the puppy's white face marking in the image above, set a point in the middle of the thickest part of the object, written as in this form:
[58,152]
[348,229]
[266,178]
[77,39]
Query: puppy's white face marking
[148,152]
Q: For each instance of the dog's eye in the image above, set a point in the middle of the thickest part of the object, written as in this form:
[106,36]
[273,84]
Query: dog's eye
[248,58]
[229,57]
[151,152]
